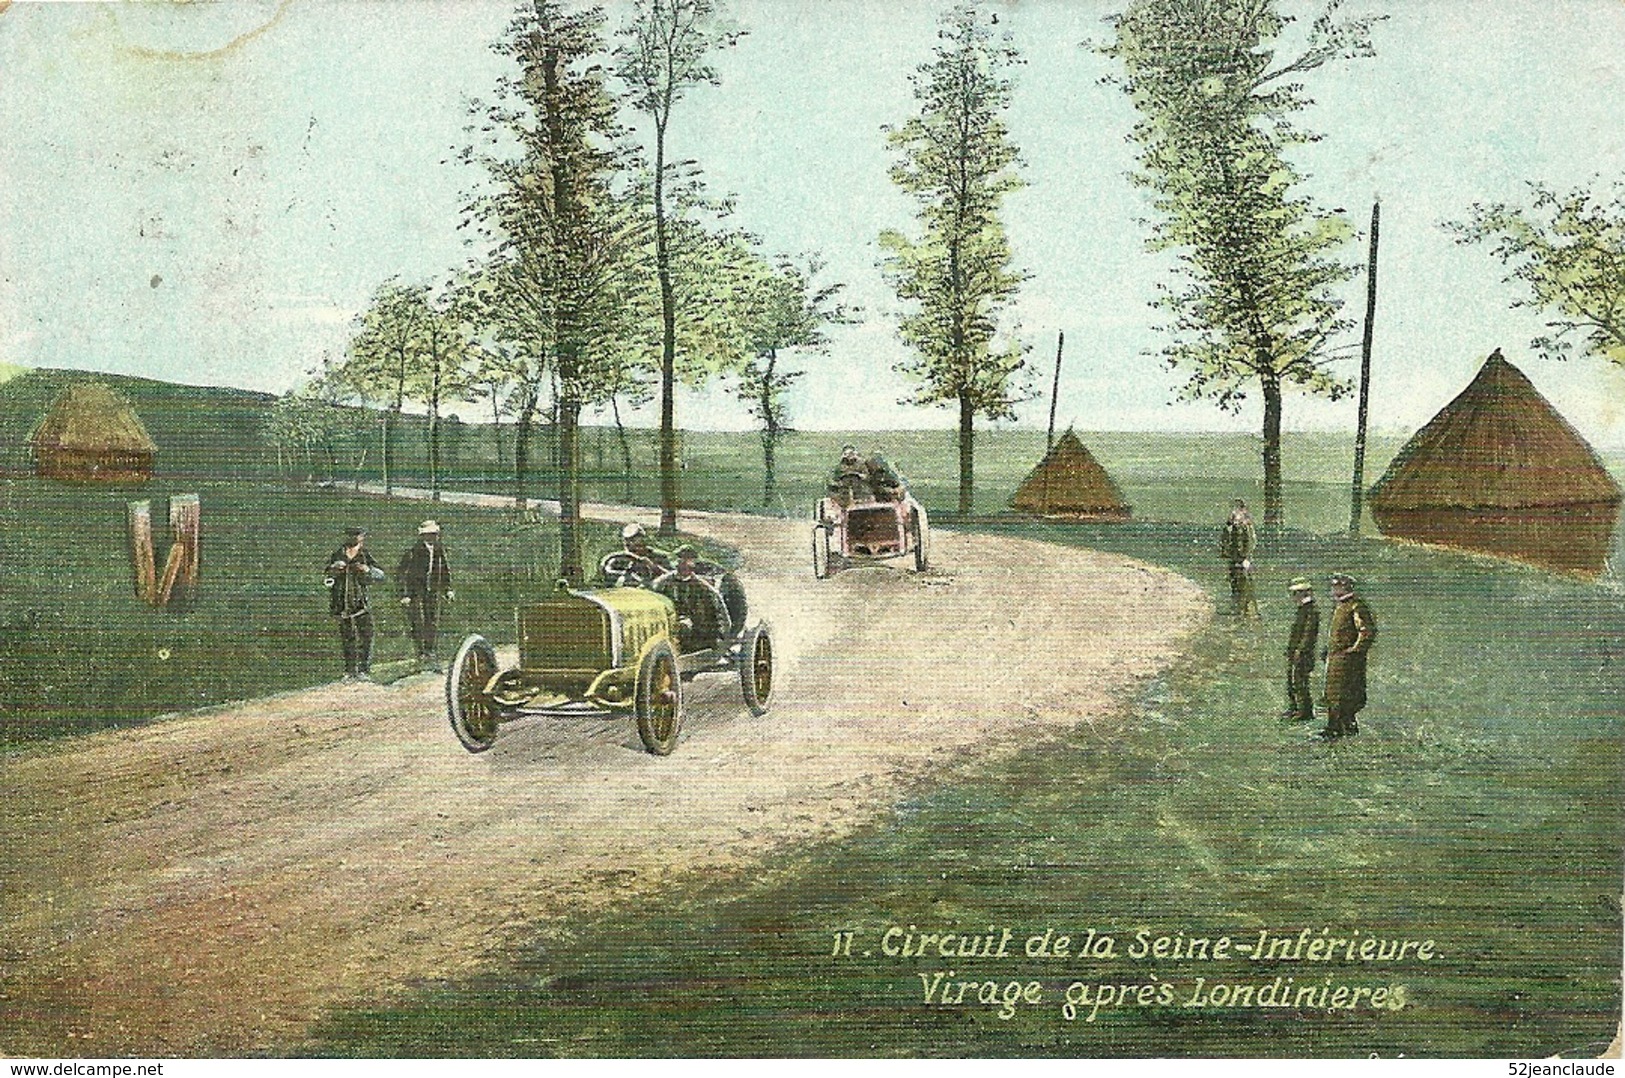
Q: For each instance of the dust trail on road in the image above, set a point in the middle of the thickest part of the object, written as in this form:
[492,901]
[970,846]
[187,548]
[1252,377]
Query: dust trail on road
[208,885]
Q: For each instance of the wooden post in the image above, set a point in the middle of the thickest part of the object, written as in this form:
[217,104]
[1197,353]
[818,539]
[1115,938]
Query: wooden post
[185,527]
[1357,492]
[141,554]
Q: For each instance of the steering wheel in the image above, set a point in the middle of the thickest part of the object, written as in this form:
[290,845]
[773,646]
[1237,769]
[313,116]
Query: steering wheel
[624,569]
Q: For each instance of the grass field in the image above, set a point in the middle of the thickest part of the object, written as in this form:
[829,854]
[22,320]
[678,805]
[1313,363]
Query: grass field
[1479,808]
[79,652]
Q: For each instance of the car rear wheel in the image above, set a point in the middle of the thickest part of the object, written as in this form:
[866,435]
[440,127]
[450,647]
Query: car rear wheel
[920,533]
[659,701]
[756,668]
[472,714]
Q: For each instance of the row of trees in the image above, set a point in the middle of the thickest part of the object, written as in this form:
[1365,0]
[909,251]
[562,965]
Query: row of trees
[604,279]
[597,277]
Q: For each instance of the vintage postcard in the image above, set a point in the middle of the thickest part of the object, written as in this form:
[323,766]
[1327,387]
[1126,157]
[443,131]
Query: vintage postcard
[811,528]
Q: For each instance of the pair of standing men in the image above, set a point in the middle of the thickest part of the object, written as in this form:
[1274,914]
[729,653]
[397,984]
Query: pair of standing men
[1349,639]
[423,579]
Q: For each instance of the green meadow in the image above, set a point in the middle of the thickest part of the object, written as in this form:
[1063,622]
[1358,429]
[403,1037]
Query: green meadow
[79,651]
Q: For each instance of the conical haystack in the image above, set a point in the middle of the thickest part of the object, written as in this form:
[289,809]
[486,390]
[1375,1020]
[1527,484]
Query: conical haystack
[1498,470]
[1070,483]
[92,433]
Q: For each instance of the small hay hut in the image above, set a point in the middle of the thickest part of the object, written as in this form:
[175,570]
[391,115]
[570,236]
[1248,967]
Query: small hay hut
[1069,482]
[1498,470]
[91,434]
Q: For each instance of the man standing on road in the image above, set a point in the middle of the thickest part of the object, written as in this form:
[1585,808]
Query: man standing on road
[350,569]
[424,580]
[702,614]
[1349,640]
[1236,545]
[1300,652]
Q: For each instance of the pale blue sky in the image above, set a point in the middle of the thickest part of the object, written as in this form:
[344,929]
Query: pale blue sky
[179,206]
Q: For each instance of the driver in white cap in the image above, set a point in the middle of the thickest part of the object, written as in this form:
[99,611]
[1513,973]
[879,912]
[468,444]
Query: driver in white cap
[637,563]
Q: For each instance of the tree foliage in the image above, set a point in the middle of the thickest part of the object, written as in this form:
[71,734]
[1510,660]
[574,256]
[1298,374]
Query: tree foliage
[957,161]
[1568,250]
[1256,303]
[790,314]
[564,237]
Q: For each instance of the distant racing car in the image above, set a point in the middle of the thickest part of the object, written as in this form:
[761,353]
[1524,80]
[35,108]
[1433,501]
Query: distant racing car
[856,529]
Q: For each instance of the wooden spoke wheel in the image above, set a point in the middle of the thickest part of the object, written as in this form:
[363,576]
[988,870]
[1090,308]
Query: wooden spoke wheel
[473,715]
[756,668]
[820,551]
[920,532]
[659,700]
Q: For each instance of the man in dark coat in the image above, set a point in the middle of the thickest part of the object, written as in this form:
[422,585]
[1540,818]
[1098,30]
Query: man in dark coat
[1236,544]
[884,483]
[1349,640]
[1300,652]
[704,616]
[849,481]
[424,581]
[350,569]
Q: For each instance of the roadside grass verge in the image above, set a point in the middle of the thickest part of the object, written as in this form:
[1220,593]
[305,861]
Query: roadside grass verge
[1478,808]
[79,652]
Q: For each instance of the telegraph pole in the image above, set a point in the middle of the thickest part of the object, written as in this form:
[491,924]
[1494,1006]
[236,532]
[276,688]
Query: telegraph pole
[1055,392]
[1357,498]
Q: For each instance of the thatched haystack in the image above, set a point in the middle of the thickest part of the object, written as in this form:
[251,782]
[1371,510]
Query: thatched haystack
[1498,470]
[92,434]
[1070,483]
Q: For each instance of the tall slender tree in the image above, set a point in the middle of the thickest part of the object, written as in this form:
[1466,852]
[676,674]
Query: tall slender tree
[443,373]
[565,240]
[384,356]
[791,315]
[666,53]
[957,161]
[1256,304]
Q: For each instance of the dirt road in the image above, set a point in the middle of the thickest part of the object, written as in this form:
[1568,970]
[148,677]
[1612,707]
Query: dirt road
[209,884]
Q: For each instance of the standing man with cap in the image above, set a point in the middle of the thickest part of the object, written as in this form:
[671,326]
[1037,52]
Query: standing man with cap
[350,569]
[1236,545]
[704,616]
[1349,640]
[424,580]
[1300,652]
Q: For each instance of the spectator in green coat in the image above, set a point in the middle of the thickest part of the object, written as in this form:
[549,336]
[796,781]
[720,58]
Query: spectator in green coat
[1349,640]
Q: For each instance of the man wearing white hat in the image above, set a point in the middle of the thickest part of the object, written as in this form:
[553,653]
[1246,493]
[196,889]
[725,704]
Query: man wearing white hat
[424,579]
[637,563]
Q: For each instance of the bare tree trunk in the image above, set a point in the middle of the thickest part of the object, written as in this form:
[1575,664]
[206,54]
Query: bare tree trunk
[569,414]
[967,454]
[668,344]
[496,423]
[521,451]
[434,434]
[769,437]
[626,449]
[389,475]
[1273,517]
